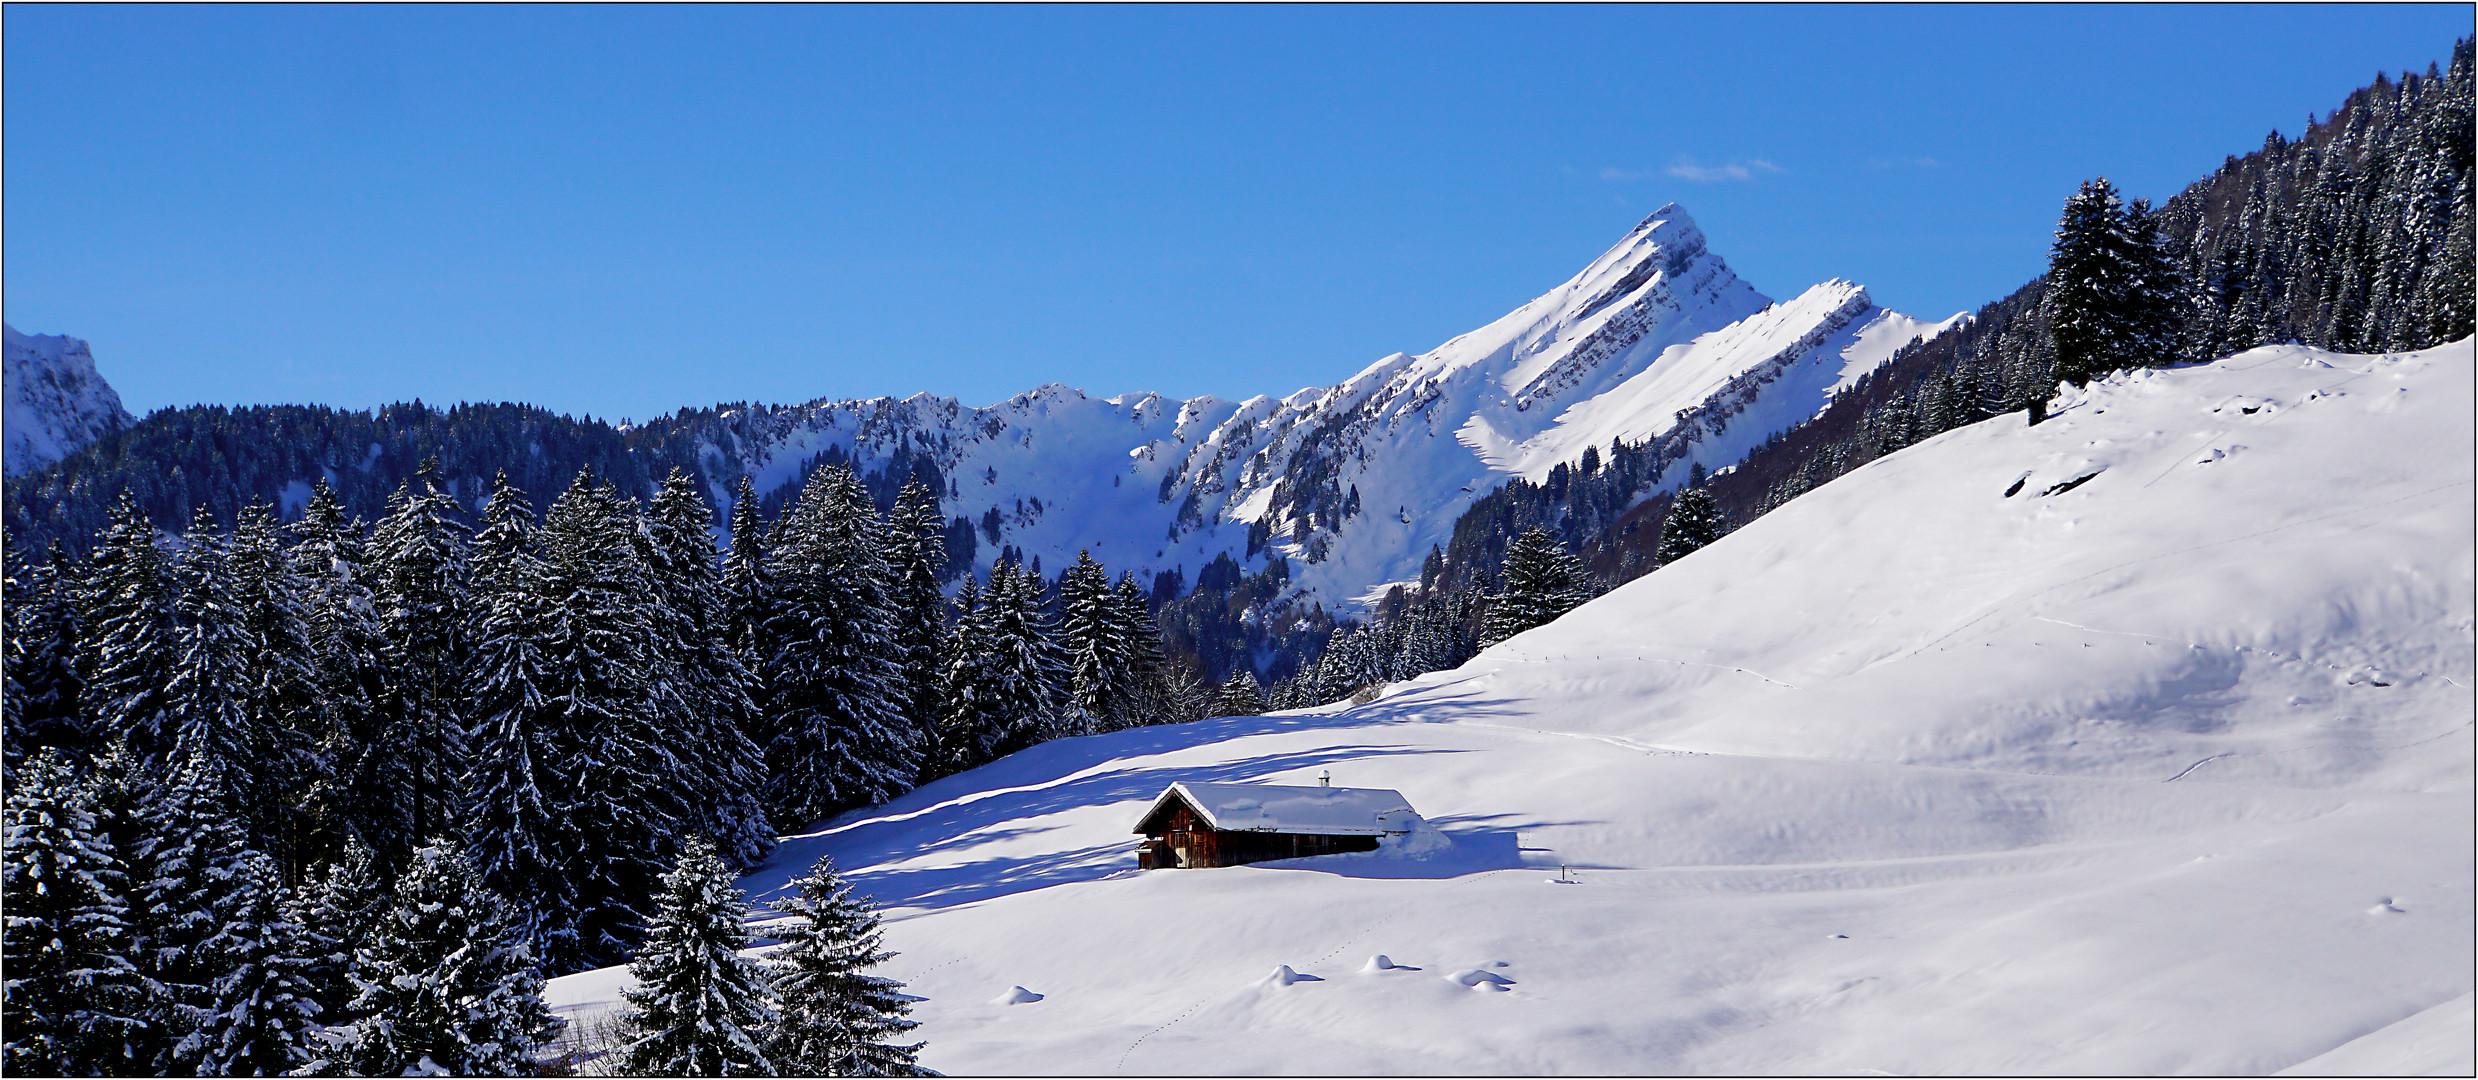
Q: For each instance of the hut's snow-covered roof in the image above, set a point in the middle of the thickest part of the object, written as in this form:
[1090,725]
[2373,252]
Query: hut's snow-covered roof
[1326,811]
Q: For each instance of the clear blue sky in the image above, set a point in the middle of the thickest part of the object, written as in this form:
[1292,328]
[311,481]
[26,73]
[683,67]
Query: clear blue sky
[624,210]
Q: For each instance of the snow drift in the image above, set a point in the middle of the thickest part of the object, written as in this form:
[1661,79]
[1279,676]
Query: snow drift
[2136,742]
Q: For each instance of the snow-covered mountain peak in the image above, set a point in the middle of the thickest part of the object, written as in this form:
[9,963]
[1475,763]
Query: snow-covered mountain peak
[56,403]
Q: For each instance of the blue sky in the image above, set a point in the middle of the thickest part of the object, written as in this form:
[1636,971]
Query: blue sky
[620,211]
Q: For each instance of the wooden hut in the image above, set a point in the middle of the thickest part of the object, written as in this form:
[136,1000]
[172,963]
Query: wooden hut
[1197,825]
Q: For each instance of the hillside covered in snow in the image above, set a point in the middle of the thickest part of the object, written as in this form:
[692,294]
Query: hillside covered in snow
[2139,741]
[56,402]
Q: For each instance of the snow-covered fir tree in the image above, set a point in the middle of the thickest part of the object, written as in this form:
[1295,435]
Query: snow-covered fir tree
[43,684]
[284,687]
[446,985]
[186,880]
[129,648]
[835,692]
[1093,641]
[1238,696]
[338,907]
[748,594]
[75,1002]
[516,834]
[1005,674]
[709,688]
[1541,581]
[265,1005]
[328,564]
[836,1019]
[699,1007]
[613,783]
[215,703]
[917,553]
[1694,520]
[1140,654]
[2111,298]
[412,768]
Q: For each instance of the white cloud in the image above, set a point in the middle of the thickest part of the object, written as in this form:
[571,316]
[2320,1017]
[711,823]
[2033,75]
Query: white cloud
[1687,169]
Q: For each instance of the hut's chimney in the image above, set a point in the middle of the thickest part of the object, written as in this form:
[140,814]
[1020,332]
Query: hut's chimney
[1325,778]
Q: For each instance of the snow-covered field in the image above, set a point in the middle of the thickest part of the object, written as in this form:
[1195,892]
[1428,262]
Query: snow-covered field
[1945,767]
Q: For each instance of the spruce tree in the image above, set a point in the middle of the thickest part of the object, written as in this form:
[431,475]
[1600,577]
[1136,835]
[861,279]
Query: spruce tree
[75,1001]
[833,685]
[265,1003]
[41,656]
[699,1007]
[127,614]
[1238,696]
[446,985]
[214,700]
[417,555]
[614,788]
[709,699]
[836,1019]
[1542,580]
[338,908]
[186,877]
[518,838]
[352,789]
[1093,640]
[1694,520]
[918,555]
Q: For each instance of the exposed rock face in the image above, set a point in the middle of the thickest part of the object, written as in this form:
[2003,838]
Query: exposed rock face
[56,402]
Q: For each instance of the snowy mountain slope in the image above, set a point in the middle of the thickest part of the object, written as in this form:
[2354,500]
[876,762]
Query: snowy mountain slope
[56,402]
[1656,338]
[1955,764]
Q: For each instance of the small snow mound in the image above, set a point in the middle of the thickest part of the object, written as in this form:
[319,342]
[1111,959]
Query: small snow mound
[1284,976]
[1017,996]
[1481,979]
[2387,906]
[1382,962]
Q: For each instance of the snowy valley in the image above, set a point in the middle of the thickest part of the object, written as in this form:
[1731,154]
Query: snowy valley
[2137,741]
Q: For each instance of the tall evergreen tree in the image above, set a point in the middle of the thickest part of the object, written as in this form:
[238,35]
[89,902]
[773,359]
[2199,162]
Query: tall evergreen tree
[918,555]
[43,685]
[446,983]
[418,562]
[614,792]
[517,837]
[338,908]
[128,654]
[1238,696]
[833,683]
[74,1000]
[709,688]
[186,877]
[264,1003]
[216,699]
[835,1018]
[1694,520]
[699,1007]
[1542,581]
[352,789]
